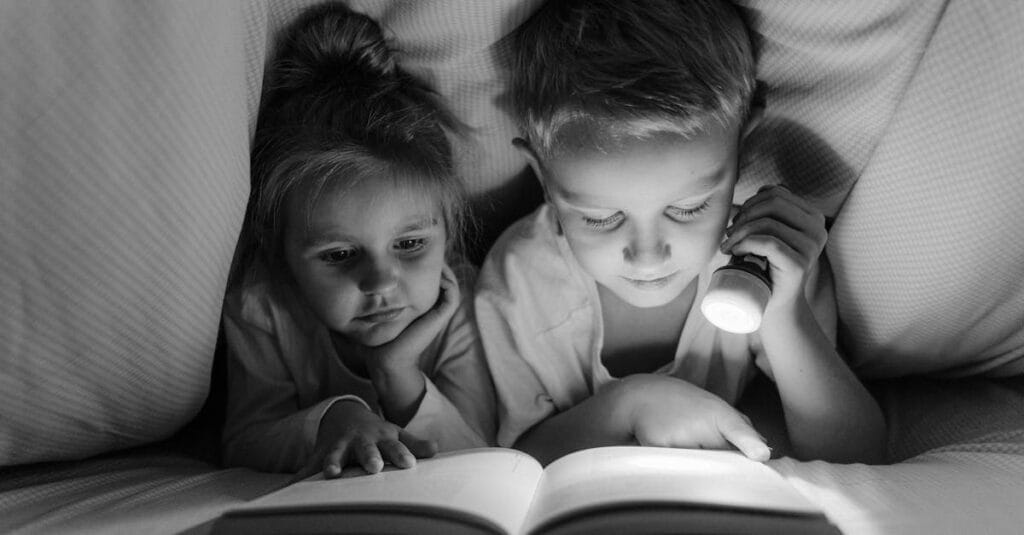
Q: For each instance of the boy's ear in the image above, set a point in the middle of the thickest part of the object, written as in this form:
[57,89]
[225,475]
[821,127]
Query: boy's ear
[527,150]
[756,113]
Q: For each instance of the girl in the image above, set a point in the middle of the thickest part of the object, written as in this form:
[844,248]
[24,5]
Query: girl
[348,338]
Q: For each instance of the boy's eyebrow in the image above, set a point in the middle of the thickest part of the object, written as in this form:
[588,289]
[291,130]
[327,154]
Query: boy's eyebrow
[708,183]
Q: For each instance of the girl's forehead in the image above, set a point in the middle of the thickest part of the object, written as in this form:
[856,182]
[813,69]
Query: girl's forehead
[382,205]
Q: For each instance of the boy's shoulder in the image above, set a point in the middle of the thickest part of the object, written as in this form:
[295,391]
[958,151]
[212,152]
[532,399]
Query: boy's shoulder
[531,243]
[531,258]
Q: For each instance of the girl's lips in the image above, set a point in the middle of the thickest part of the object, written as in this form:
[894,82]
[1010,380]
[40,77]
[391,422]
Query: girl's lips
[382,316]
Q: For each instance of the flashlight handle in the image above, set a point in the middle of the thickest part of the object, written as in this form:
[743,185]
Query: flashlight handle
[753,264]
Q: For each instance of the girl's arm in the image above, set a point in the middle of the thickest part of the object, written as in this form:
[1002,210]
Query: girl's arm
[264,427]
[432,379]
[828,412]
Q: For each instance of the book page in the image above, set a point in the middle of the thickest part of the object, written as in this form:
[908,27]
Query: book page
[602,477]
[496,484]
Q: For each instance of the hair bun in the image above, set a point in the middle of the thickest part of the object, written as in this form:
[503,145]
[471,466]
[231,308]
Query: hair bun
[333,47]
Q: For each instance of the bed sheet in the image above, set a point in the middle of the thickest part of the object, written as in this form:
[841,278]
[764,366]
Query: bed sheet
[958,447]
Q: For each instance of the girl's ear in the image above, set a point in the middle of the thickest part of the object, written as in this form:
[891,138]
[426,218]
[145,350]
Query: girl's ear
[527,151]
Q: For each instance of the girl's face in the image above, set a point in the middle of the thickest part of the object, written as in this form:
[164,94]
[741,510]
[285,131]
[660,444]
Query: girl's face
[369,260]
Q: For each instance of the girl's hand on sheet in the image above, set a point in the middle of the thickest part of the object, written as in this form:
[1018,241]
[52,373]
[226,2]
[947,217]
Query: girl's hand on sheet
[669,412]
[784,229]
[352,435]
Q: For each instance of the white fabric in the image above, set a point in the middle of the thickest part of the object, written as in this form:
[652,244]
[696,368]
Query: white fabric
[542,329]
[961,446]
[284,373]
[124,139]
[152,492]
[909,113]
[123,176]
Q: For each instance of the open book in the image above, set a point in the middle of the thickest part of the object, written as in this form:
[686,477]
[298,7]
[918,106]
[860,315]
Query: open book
[498,491]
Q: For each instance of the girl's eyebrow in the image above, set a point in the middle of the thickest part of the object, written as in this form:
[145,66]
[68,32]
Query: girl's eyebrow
[421,223]
[319,240]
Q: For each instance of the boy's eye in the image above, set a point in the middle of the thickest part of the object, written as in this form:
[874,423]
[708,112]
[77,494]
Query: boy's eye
[336,256]
[408,245]
[606,223]
[685,214]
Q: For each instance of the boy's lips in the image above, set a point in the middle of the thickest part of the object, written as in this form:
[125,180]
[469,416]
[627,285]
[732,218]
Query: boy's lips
[651,283]
[381,316]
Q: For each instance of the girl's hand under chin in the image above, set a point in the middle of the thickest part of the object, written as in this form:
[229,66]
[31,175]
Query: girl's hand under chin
[403,353]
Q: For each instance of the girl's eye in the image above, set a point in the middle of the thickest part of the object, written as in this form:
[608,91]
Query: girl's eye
[607,223]
[685,214]
[336,256]
[409,245]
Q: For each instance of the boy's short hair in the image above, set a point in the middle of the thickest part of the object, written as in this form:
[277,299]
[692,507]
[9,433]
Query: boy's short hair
[588,74]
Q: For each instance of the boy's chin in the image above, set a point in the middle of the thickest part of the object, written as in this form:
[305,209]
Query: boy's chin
[647,298]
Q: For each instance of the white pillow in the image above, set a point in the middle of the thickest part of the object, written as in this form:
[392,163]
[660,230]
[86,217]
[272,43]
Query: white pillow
[903,120]
[124,129]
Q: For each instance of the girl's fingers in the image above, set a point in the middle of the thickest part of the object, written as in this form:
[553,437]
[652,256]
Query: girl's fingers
[313,465]
[335,459]
[397,454]
[367,455]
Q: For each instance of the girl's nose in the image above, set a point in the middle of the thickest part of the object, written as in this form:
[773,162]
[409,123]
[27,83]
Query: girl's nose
[379,276]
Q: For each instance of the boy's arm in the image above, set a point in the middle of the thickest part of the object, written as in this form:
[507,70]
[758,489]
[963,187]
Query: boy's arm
[650,410]
[600,420]
[829,413]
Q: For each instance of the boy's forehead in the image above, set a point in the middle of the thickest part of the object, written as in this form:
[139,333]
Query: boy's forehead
[674,167]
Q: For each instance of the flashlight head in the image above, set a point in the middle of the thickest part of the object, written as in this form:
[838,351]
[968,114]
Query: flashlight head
[735,300]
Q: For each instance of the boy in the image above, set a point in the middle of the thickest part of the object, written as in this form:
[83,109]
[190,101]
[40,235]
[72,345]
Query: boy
[633,115]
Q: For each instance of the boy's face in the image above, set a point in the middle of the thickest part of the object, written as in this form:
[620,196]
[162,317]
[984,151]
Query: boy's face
[370,260]
[645,220]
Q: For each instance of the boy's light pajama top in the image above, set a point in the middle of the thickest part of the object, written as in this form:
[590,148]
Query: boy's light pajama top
[541,325]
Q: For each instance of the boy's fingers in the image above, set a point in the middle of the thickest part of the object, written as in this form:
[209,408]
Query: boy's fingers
[396,452]
[417,446]
[744,437]
[769,193]
[367,455]
[778,211]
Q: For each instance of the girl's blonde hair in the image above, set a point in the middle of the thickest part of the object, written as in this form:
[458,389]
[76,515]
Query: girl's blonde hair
[337,109]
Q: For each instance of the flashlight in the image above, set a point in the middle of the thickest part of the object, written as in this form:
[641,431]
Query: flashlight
[737,294]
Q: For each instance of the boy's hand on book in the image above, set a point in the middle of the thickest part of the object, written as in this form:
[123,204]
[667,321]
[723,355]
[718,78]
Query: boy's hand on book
[670,412]
[352,435]
[785,229]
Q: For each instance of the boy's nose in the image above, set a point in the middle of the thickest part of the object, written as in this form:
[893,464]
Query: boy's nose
[648,249]
[378,277]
